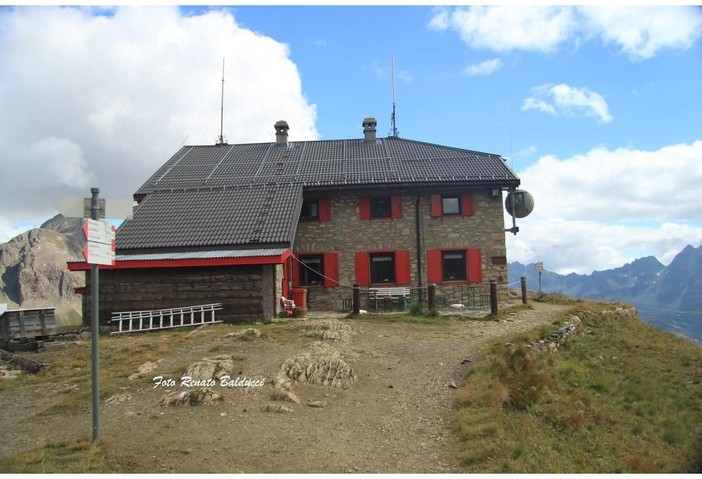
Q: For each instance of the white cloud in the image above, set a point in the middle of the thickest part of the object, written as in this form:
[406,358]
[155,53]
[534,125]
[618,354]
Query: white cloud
[565,99]
[605,208]
[576,246]
[504,28]
[619,185]
[532,103]
[104,97]
[484,68]
[642,31]
[639,32]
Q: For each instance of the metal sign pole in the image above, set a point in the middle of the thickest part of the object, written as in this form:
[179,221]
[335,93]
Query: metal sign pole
[95,323]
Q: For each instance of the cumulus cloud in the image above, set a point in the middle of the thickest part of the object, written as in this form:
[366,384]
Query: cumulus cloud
[486,67]
[621,184]
[606,207]
[639,32]
[568,100]
[103,97]
[504,28]
[577,246]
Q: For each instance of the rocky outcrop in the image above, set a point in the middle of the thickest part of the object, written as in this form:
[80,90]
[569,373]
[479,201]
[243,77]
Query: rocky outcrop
[33,270]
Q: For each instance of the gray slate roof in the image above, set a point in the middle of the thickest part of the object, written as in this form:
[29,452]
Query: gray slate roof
[208,219]
[219,196]
[327,163]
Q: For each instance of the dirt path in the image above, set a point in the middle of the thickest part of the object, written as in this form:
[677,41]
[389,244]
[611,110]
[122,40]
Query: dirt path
[395,418]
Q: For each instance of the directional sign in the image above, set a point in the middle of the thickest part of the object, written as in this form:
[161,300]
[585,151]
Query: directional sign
[97,231]
[100,245]
[99,253]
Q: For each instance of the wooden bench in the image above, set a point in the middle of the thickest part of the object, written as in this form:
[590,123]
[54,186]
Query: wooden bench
[134,321]
[401,293]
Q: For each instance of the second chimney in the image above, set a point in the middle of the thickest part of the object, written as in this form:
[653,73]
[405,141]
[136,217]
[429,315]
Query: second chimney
[281,132]
[369,125]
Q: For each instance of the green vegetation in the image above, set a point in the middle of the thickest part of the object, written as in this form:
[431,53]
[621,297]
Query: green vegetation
[77,457]
[621,397]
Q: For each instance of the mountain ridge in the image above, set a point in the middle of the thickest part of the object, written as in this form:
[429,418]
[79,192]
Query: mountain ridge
[669,297]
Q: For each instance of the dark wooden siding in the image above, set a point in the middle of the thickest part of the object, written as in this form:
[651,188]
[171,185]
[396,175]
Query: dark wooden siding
[240,289]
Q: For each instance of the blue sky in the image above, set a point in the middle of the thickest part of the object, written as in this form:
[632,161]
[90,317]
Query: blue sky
[596,108]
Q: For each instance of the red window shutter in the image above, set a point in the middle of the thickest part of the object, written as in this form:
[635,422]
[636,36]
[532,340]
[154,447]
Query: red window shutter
[467,207]
[364,208]
[403,275]
[362,268]
[295,271]
[324,209]
[436,209]
[475,266]
[396,206]
[331,269]
[434,273]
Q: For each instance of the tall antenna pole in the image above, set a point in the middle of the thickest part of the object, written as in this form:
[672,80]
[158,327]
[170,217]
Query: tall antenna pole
[394,131]
[220,140]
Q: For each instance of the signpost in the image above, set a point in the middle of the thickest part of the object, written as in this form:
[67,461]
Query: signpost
[539,268]
[95,322]
[99,250]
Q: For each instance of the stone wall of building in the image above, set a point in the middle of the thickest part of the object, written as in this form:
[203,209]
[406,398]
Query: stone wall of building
[346,233]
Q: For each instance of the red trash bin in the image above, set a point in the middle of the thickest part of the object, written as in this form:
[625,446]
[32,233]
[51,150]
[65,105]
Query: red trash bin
[299,295]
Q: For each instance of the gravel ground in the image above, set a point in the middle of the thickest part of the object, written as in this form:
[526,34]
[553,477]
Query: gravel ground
[395,418]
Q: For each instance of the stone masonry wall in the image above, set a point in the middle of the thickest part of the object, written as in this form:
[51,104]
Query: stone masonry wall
[347,234]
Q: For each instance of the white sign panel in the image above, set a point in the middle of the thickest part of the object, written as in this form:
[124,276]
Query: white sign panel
[99,253]
[97,231]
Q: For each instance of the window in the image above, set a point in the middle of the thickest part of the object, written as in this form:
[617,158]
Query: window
[453,265]
[450,205]
[316,210]
[380,207]
[311,270]
[445,266]
[390,267]
[382,267]
[310,210]
[315,269]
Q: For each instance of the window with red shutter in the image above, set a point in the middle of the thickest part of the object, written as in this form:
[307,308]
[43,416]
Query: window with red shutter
[403,275]
[467,207]
[436,205]
[362,268]
[331,269]
[475,266]
[324,209]
[396,206]
[364,208]
[434,274]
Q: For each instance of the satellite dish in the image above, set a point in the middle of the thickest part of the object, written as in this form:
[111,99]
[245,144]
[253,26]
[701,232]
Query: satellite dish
[519,203]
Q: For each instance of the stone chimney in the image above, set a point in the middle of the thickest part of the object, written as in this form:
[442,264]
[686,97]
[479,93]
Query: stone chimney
[369,125]
[281,132]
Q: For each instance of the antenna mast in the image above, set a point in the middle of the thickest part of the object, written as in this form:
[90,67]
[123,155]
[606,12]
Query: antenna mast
[220,140]
[394,131]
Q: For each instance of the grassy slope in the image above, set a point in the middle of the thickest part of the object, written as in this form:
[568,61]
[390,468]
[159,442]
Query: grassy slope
[622,396]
